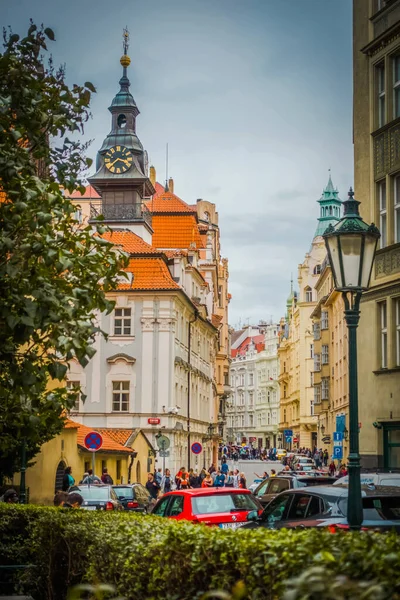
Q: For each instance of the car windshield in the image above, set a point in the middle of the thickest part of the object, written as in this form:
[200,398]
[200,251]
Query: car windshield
[377,508]
[222,503]
[125,492]
[94,493]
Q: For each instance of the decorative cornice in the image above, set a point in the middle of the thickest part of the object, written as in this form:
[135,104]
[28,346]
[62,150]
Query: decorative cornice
[387,261]
[121,356]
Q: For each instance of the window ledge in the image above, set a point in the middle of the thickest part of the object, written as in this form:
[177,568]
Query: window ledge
[113,338]
[383,371]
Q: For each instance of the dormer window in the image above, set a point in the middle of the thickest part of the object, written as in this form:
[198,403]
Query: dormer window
[121,121]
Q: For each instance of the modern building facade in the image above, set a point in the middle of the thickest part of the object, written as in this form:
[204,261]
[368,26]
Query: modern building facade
[163,365]
[299,366]
[253,412]
[376,127]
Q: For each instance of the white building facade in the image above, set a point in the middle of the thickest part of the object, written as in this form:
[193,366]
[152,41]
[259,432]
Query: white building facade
[253,412]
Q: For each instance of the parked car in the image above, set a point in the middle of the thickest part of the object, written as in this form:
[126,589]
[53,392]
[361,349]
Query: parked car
[98,497]
[303,463]
[133,497]
[324,506]
[280,453]
[255,484]
[223,507]
[268,489]
[374,478]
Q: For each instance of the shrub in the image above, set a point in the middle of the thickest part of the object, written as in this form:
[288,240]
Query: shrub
[153,558]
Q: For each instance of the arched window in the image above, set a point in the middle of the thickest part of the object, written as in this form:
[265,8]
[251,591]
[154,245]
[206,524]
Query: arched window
[121,121]
[138,472]
[330,210]
[59,476]
[308,294]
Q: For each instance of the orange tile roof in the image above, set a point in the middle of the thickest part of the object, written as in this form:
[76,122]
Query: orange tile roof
[178,232]
[129,241]
[121,436]
[216,320]
[68,424]
[109,445]
[149,274]
[89,193]
[173,253]
[167,203]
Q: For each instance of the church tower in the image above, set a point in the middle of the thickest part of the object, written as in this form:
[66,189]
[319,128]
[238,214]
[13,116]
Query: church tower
[331,206]
[122,178]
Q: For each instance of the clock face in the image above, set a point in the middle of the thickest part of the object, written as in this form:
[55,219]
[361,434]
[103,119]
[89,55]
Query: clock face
[118,159]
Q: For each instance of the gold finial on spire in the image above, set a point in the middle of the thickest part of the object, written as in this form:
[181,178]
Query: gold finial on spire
[125,60]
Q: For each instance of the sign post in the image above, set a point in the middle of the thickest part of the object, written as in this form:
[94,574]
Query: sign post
[93,442]
[163,443]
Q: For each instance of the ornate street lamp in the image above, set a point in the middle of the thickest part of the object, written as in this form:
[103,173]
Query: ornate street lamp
[351,246]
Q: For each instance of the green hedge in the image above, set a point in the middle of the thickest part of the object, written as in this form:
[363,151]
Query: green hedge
[149,557]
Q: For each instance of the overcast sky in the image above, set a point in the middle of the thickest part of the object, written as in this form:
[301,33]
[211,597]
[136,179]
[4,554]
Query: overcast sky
[254,98]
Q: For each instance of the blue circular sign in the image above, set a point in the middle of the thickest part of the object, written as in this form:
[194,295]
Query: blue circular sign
[197,448]
[93,441]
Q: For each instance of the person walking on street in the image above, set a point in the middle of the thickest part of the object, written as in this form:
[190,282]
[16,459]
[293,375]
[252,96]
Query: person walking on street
[166,482]
[219,480]
[178,478]
[106,478]
[273,473]
[152,487]
[68,480]
[212,469]
[207,481]
[235,478]
[229,479]
[326,457]
[202,476]
[332,469]
[185,483]
[91,479]
[224,467]
[194,480]
[242,481]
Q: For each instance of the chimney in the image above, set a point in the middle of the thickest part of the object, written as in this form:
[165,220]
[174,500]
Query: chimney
[171,185]
[153,176]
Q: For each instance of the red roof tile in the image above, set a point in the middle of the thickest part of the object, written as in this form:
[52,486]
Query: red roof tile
[167,203]
[89,193]
[121,436]
[130,242]
[109,445]
[149,274]
[179,232]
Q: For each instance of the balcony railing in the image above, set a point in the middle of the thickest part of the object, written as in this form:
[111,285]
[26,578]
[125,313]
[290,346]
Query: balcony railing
[120,212]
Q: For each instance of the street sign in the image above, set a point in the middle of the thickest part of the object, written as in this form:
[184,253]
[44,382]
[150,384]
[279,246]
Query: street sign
[288,433]
[197,448]
[288,440]
[163,442]
[337,436]
[163,453]
[338,444]
[93,441]
[338,452]
[153,421]
[295,440]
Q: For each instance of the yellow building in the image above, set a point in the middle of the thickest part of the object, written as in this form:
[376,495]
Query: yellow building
[330,363]
[376,130]
[68,450]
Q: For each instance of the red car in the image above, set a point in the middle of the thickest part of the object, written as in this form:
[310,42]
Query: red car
[224,507]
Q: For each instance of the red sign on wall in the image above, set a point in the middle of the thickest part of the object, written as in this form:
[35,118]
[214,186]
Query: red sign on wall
[153,421]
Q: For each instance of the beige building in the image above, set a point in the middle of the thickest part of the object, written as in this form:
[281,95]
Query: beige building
[377,186]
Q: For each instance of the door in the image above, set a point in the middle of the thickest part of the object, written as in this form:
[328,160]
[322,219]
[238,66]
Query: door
[391,445]
[138,471]
[277,510]
[59,476]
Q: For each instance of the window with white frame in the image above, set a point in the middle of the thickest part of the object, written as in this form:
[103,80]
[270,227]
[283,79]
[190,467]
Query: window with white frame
[382,213]
[317,394]
[259,420]
[312,379]
[317,362]
[120,397]
[268,418]
[381,95]
[396,86]
[325,388]
[251,378]
[251,420]
[383,333]
[397,209]
[241,398]
[251,399]
[122,321]
[325,354]
[268,396]
[241,420]
[308,294]
[73,388]
[324,319]
[317,331]
[397,322]
[311,350]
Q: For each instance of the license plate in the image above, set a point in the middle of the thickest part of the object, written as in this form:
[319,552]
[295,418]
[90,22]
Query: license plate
[89,507]
[231,525]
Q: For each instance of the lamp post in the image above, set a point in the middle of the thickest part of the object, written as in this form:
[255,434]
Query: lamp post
[351,246]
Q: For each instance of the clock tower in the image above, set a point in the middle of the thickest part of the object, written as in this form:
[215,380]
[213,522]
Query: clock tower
[121,177]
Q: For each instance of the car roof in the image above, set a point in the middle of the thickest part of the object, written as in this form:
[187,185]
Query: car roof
[342,490]
[92,485]
[124,485]
[208,491]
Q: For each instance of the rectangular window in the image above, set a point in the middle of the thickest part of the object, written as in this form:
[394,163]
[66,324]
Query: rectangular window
[122,321]
[251,399]
[251,420]
[324,319]
[311,350]
[317,362]
[382,213]
[397,321]
[381,96]
[397,209]
[325,354]
[312,379]
[118,470]
[120,400]
[251,379]
[317,331]
[396,87]
[325,388]
[74,388]
[317,394]
[383,329]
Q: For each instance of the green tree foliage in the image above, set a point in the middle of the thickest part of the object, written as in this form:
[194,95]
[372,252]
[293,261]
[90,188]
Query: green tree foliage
[53,275]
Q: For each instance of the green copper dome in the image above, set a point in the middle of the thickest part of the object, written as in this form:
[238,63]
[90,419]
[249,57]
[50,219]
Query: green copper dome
[331,208]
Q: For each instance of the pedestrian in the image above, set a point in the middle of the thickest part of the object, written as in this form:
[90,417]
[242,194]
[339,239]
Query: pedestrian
[236,478]
[10,497]
[332,469]
[203,474]
[158,476]
[194,481]
[185,483]
[60,498]
[74,500]
[273,473]
[229,479]
[219,480]
[212,469]
[326,457]
[263,476]
[106,478]
[342,471]
[224,467]
[166,482]
[86,474]
[91,479]
[207,481]
[152,486]
[242,481]
[68,480]
[178,478]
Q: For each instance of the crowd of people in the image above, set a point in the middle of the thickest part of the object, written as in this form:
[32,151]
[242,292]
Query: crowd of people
[236,453]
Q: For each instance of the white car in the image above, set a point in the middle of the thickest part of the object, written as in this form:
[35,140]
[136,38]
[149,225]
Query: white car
[392,479]
[303,462]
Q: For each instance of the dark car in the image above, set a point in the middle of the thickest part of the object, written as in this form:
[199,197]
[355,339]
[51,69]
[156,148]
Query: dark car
[324,506]
[98,497]
[134,497]
[269,488]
